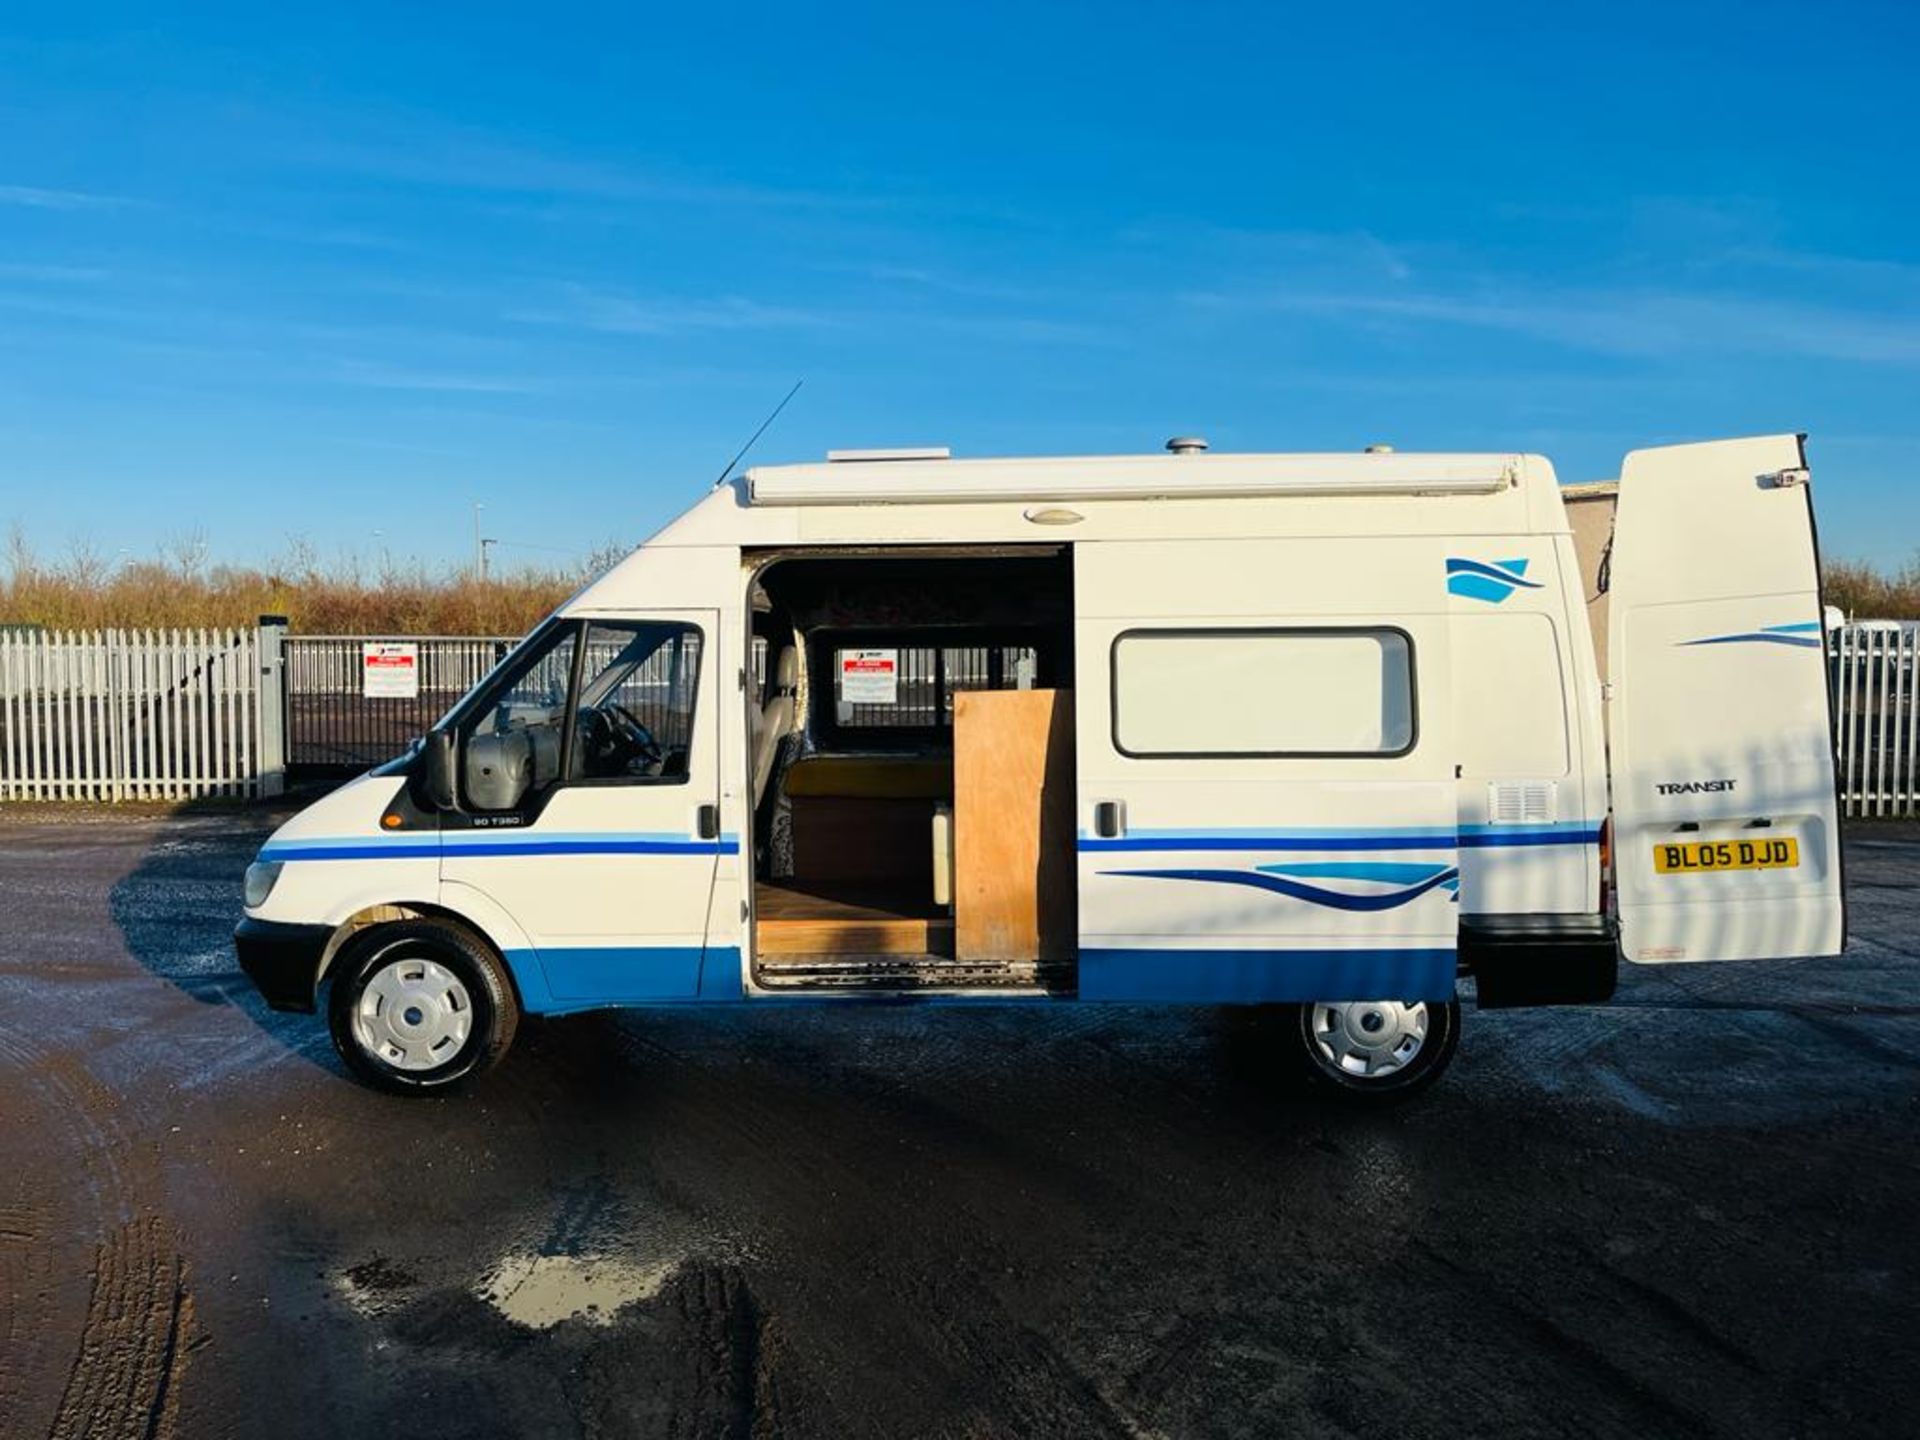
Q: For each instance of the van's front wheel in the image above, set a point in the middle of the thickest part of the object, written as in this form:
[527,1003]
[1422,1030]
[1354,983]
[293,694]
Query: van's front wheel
[419,1006]
[1377,1050]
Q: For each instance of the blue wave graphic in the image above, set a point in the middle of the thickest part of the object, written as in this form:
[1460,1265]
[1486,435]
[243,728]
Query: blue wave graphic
[1299,890]
[1491,581]
[1802,634]
[1386,872]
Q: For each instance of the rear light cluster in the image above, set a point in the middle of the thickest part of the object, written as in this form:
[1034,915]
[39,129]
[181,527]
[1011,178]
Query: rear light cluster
[1606,866]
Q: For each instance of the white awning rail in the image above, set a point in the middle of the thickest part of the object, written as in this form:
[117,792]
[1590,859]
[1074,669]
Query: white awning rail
[1127,477]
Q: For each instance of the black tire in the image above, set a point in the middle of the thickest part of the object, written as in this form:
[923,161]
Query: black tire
[1435,1052]
[483,983]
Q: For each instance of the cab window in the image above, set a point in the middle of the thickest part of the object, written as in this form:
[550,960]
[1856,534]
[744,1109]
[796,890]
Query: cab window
[635,716]
[608,702]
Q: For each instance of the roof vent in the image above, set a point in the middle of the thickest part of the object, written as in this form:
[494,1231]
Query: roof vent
[1187,445]
[923,452]
[1379,449]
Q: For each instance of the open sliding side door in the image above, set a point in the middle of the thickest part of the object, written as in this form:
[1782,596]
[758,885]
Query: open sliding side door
[1725,823]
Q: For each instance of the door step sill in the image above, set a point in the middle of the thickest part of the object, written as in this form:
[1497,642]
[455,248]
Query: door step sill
[910,972]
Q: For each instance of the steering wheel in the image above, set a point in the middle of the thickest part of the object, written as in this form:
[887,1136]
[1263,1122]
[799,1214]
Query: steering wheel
[633,733]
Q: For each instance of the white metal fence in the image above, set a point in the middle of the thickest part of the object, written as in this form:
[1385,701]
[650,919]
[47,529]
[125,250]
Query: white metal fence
[332,724]
[1874,673]
[137,715]
[186,714]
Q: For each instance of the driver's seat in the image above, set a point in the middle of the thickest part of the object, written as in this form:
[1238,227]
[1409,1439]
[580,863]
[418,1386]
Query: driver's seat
[774,722]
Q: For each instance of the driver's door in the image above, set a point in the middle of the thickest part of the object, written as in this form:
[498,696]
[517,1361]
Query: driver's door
[607,859]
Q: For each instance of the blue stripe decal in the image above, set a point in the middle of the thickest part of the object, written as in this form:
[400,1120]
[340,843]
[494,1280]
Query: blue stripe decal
[1146,841]
[1467,837]
[559,979]
[1565,832]
[417,847]
[1802,634]
[1300,890]
[350,850]
[1800,642]
[1207,977]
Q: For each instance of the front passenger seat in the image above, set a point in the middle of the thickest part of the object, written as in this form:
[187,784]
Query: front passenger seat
[775,720]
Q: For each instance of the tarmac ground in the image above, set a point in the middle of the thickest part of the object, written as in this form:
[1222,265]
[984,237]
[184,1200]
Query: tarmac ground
[1692,1212]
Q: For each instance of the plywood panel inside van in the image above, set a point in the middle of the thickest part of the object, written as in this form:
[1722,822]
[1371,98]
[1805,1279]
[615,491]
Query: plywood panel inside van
[1013,825]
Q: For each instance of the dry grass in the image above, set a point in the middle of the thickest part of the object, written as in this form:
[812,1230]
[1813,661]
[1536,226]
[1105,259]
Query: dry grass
[1864,593]
[83,592]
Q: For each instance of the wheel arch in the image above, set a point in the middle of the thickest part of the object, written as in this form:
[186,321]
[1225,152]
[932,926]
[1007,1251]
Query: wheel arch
[371,916]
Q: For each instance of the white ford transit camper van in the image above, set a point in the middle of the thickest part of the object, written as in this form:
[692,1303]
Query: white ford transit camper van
[1324,732]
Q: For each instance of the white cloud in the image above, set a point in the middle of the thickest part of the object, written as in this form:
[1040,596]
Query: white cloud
[591,309]
[1642,323]
[35,198]
[388,377]
[52,274]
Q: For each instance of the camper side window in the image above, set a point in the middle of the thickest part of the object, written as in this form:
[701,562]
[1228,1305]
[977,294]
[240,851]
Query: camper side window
[1257,693]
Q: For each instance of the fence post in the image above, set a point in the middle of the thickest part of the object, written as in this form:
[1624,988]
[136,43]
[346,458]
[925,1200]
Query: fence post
[272,754]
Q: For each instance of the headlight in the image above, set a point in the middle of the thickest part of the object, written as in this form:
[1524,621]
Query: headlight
[260,877]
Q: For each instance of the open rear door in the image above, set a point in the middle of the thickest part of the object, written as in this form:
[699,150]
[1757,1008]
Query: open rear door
[1725,823]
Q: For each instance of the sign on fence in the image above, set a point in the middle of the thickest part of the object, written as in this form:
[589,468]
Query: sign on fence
[869,677]
[356,700]
[390,670]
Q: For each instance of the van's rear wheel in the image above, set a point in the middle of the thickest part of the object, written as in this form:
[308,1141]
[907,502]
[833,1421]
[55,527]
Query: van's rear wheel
[1382,1050]
[419,1006]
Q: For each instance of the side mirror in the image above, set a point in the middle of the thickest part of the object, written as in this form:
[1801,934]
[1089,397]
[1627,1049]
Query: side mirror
[440,769]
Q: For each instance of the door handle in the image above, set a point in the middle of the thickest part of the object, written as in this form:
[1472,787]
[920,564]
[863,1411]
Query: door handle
[1109,819]
[706,822]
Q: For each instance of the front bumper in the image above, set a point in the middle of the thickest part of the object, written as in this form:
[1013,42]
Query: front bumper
[282,960]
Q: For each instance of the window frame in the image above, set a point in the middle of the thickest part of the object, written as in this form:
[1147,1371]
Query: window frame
[570,736]
[474,705]
[1211,632]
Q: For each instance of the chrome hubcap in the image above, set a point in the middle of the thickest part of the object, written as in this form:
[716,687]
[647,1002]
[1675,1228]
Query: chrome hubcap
[1367,1039]
[414,1014]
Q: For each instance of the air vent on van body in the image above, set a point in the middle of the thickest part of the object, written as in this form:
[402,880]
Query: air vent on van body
[1523,802]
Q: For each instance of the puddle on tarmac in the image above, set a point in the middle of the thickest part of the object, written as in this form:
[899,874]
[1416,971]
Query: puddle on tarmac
[540,1291]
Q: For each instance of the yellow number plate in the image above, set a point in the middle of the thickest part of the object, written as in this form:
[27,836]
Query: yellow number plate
[1697,855]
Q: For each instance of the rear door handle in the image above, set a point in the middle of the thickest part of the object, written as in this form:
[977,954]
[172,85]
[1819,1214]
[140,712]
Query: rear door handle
[1109,819]
[706,822]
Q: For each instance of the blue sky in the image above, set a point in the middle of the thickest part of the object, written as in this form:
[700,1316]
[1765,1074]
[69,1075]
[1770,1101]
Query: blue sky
[332,271]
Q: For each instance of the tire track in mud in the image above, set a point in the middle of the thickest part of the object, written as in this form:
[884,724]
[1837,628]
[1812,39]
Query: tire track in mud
[124,1383]
[119,1370]
[99,1317]
[26,1297]
[1657,1363]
